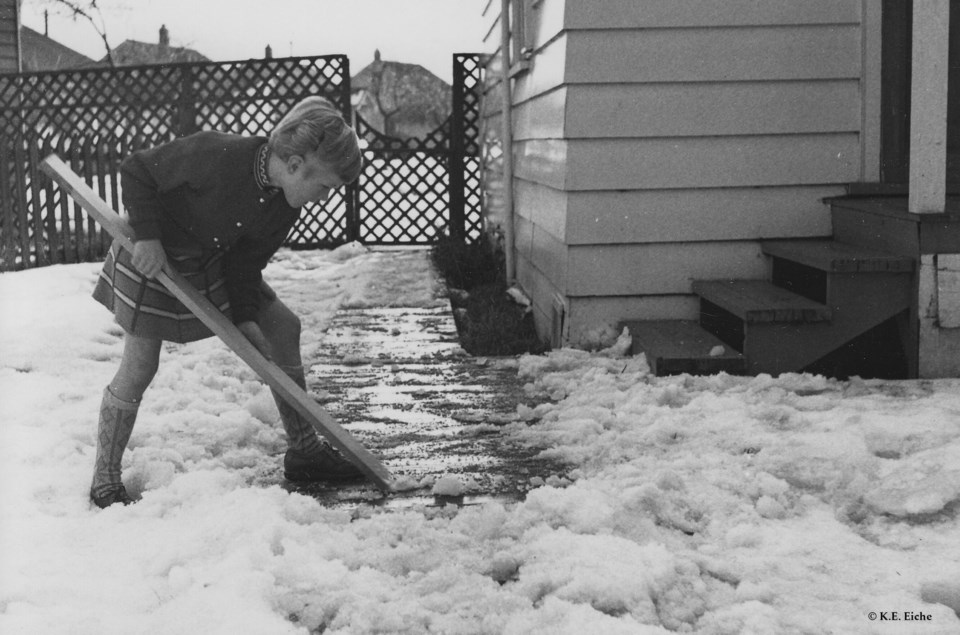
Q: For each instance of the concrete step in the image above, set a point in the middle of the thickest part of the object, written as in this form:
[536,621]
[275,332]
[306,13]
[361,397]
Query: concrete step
[760,301]
[673,347]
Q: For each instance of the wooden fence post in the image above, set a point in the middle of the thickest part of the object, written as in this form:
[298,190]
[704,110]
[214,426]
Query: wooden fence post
[7,209]
[79,234]
[43,258]
[23,221]
[455,163]
[186,104]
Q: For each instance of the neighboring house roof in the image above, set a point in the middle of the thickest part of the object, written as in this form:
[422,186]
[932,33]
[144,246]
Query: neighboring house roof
[134,53]
[41,53]
[405,94]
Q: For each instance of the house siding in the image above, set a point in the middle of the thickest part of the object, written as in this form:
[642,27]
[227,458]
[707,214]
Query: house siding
[539,112]
[9,37]
[656,143]
[629,14]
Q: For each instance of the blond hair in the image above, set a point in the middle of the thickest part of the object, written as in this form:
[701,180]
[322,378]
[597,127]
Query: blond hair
[315,125]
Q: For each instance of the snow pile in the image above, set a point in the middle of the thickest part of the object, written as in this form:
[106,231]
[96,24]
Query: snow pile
[691,504]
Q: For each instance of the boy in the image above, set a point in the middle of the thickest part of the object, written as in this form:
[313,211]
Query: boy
[216,207]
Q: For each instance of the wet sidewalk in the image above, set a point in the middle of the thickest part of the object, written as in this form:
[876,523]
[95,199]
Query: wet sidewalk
[397,379]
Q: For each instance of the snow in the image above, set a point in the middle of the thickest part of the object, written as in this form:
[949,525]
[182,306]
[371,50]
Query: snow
[717,504]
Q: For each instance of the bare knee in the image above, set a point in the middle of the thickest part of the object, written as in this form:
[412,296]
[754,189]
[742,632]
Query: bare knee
[141,359]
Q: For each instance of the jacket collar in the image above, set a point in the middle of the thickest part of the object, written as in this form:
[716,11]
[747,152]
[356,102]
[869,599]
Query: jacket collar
[260,162]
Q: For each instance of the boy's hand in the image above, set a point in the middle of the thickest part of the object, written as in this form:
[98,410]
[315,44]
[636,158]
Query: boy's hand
[251,330]
[149,257]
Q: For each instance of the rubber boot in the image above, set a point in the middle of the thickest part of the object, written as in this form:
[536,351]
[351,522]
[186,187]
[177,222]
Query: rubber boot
[308,457]
[116,424]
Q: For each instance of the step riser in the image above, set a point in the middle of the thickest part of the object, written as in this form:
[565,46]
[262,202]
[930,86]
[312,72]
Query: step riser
[726,326]
[843,291]
[831,256]
[788,347]
[896,235]
[674,347]
[889,227]
[803,280]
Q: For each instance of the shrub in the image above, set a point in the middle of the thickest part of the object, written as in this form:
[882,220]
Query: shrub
[489,322]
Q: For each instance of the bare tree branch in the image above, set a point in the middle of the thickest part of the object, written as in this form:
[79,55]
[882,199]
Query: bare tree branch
[88,10]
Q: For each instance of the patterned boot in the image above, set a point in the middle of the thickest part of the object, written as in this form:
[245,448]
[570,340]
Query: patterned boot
[116,423]
[309,458]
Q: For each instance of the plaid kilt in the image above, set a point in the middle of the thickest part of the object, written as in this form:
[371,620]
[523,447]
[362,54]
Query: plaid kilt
[145,308]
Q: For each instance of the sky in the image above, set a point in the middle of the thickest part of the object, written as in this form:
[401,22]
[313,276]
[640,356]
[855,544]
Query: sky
[713,505]
[425,32]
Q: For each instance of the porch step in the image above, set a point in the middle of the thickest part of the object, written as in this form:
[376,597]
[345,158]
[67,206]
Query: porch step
[835,257]
[760,301]
[673,347]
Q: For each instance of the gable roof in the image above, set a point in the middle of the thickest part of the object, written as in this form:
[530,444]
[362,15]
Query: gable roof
[409,96]
[134,53]
[41,53]
[415,72]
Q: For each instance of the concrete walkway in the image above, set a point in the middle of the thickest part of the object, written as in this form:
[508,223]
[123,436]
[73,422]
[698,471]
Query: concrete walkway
[398,380]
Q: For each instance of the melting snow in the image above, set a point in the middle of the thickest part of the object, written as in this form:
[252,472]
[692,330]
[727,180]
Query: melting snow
[695,504]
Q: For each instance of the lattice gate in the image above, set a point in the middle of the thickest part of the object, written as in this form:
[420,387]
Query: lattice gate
[413,191]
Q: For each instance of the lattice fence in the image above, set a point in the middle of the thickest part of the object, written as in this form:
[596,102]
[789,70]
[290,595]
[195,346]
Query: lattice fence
[411,191]
[414,190]
[96,117]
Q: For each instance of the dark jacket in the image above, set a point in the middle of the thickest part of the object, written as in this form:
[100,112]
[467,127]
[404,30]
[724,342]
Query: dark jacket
[199,194]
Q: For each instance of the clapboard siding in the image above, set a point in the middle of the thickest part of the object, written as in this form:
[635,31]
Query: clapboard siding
[8,56]
[545,74]
[713,54]
[541,290]
[541,263]
[634,14]
[542,161]
[543,250]
[704,162]
[544,22]
[704,109]
[650,216]
[9,53]
[689,162]
[660,268]
[542,117]
[542,205]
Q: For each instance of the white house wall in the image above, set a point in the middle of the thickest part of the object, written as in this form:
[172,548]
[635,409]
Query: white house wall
[655,142]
